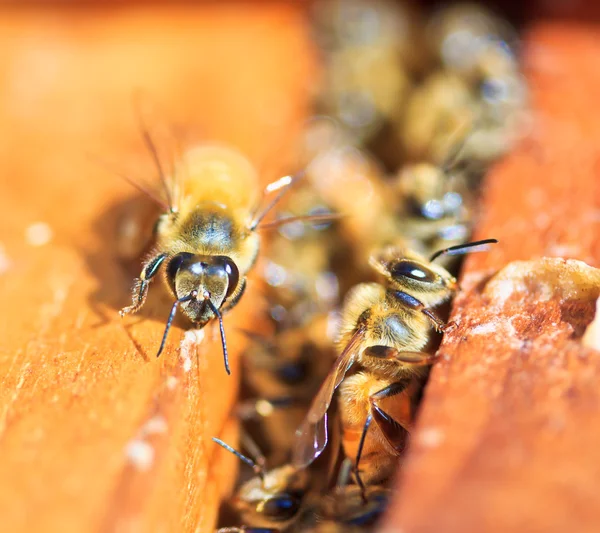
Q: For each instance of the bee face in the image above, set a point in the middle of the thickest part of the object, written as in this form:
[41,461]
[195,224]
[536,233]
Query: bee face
[215,278]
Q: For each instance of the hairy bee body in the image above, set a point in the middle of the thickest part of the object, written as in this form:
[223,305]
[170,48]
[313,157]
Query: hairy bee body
[205,242]
[386,323]
[213,215]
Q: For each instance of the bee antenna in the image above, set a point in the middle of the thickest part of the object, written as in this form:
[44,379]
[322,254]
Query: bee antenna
[222,330]
[259,469]
[461,249]
[282,185]
[151,146]
[181,300]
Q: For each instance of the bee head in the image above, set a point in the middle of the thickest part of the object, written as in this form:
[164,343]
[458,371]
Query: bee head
[409,272]
[215,278]
[276,498]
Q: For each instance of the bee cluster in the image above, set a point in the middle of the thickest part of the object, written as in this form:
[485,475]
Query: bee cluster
[411,112]
[361,259]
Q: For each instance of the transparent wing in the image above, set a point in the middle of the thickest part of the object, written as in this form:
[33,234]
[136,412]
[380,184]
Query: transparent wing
[311,436]
[310,443]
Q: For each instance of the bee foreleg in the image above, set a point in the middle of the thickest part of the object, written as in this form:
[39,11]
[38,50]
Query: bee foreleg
[438,323]
[141,285]
[413,303]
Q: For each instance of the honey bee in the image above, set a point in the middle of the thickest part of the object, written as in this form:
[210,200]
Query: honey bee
[282,500]
[206,240]
[367,47]
[350,507]
[435,110]
[434,204]
[384,331]
[281,376]
[272,499]
[476,46]
[299,263]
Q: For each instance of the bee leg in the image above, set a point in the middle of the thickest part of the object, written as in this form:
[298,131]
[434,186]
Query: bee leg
[394,432]
[409,358]
[361,444]
[140,288]
[413,303]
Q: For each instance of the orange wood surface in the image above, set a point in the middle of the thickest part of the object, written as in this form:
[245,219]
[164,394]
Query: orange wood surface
[507,437]
[95,433]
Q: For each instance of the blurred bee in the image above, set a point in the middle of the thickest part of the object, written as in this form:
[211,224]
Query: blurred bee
[465,37]
[334,164]
[272,499]
[350,508]
[385,329]
[439,107]
[206,240]
[300,262]
[281,376]
[282,499]
[367,46]
[434,204]
[479,81]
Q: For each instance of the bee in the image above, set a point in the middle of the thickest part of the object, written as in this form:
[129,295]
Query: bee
[300,261]
[350,507]
[384,330]
[206,239]
[281,376]
[282,499]
[462,35]
[273,498]
[435,110]
[368,48]
[480,48]
[434,204]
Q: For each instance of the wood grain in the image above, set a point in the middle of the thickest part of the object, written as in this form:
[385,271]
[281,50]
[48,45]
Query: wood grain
[506,440]
[95,433]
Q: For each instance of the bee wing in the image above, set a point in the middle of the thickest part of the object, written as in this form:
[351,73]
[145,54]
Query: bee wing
[312,434]
[310,443]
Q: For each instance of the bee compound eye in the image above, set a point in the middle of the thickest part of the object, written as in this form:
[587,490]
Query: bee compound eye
[233,275]
[176,263]
[281,507]
[412,270]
